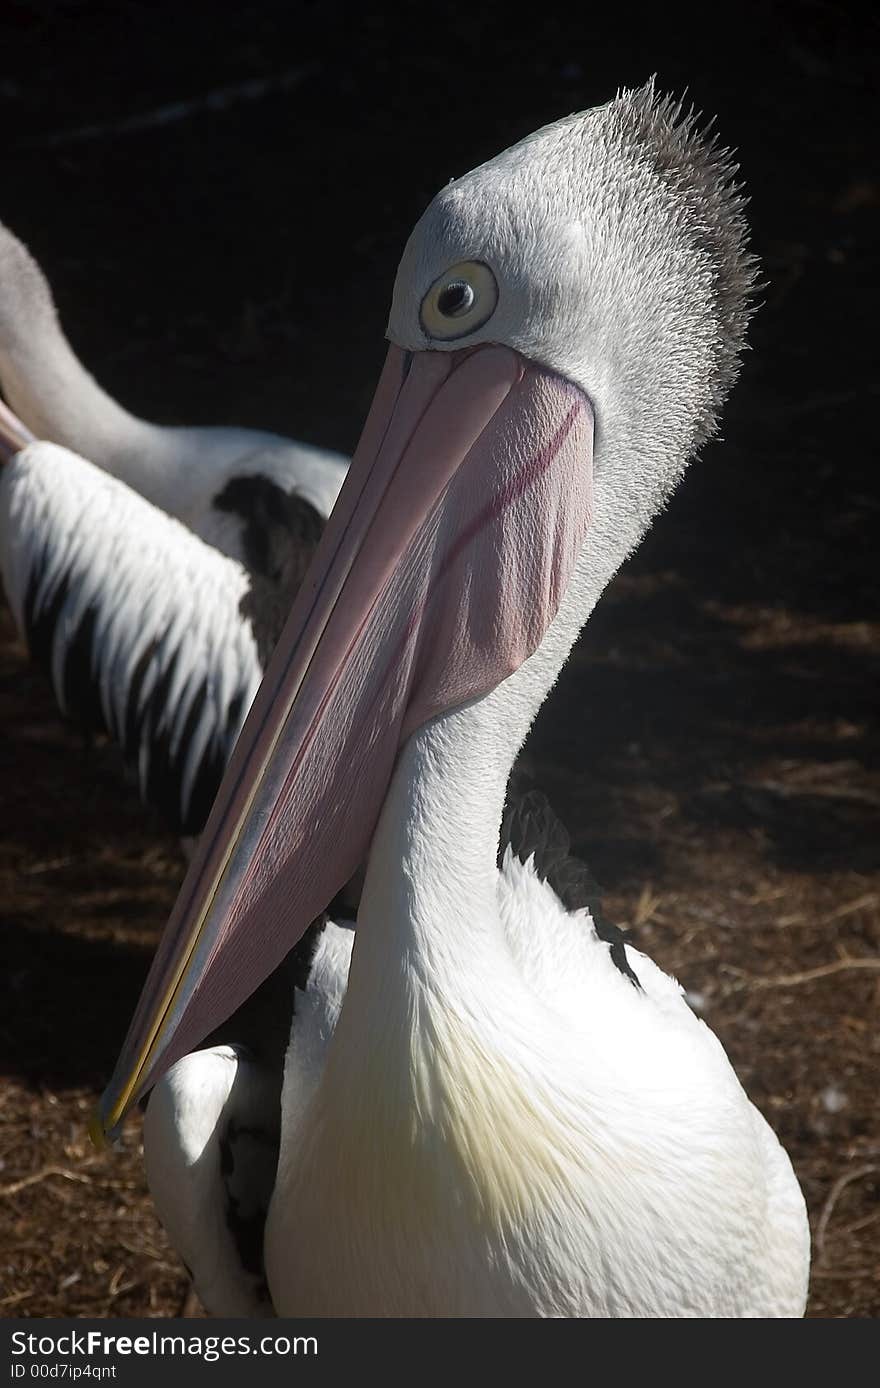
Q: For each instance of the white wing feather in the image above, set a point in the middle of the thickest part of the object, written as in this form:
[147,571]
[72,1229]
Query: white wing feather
[99,579]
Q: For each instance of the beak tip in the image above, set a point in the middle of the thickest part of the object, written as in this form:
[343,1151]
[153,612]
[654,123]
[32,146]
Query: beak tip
[98,1135]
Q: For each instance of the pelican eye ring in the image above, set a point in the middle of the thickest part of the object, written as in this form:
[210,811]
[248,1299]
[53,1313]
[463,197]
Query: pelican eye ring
[460,301]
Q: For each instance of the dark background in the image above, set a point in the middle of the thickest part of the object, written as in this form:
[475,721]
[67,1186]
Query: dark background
[219,197]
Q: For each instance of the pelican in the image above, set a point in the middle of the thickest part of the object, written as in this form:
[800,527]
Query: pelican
[149,569]
[482,1113]
[148,633]
[244,491]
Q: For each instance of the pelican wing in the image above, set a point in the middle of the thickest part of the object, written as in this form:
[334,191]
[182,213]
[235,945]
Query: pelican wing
[139,623]
[211,1149]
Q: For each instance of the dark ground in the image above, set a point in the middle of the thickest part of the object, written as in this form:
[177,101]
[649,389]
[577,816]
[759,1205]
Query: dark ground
[711,744]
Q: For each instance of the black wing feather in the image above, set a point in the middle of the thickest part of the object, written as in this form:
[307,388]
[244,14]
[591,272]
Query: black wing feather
[532,829]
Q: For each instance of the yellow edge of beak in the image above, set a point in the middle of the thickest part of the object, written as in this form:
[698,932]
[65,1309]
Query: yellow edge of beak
[100,1127]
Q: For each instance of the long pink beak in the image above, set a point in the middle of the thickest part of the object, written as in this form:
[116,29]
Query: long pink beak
[441,568]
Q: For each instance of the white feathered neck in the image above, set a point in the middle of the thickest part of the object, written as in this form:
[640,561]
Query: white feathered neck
[179,469]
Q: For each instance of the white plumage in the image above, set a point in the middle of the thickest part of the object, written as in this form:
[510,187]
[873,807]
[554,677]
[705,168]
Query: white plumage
[157,632]
[212,479]
[657,1070]
[520,1107]
[211,1136]
[504,1115]
[138,620]
[211,1149]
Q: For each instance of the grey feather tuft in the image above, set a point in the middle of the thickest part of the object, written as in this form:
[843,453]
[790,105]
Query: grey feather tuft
[701,176]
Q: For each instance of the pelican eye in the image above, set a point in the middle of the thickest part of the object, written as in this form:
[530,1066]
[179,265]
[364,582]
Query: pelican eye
[455,299]
[460,301]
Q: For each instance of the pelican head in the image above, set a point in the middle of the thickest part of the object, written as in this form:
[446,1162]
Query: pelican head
[611,248]
[566,322]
